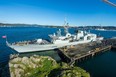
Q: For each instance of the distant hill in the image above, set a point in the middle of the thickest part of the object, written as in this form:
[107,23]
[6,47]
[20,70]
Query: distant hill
[98,27]
[26,25]
[57,26]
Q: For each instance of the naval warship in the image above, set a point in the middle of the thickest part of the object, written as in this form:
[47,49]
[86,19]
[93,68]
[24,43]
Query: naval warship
[57,41]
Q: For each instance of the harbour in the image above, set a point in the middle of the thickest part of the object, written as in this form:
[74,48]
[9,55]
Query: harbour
[57,38]
[7,51]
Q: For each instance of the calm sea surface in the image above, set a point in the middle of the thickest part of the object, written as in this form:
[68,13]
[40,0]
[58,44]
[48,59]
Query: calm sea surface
[103,65]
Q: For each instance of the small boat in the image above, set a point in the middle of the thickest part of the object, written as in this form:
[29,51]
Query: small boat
[101,29]
[113,38]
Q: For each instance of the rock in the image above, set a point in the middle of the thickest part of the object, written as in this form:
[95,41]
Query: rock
[25,60]
[36,60]
[15,60]
[40,66]
[11,65]
[17,72]
[12,74]
[12,56]
[22,66]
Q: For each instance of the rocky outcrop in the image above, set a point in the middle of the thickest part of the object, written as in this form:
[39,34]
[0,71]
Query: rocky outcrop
[67,71]
[40,66]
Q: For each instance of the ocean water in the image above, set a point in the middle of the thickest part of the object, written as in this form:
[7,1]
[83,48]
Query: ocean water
[16,34]
[103,65]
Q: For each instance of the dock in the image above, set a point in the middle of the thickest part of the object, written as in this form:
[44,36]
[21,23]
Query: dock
[83,51]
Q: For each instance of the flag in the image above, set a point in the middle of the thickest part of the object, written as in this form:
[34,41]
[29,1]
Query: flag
[3,36]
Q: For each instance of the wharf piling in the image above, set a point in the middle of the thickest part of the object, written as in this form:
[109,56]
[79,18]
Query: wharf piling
[84,51]
[113,47]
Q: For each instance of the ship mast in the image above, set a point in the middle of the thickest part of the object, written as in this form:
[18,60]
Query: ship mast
[66,25]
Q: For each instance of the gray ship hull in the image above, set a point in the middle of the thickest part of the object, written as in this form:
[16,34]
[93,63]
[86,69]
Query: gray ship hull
[37,47]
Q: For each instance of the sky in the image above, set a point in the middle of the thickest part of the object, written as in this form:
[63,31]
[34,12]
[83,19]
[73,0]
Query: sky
[53,12]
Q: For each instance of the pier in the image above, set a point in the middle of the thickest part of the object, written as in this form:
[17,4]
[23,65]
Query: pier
[81,52]
[113,47]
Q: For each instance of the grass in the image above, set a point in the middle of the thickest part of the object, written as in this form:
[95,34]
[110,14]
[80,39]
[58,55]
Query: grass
[48,67]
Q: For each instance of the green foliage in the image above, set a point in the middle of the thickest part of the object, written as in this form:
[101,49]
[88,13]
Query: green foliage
[66,71]
[40,66]
[44,70]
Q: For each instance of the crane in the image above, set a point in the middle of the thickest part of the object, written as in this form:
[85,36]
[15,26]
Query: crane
[110,3]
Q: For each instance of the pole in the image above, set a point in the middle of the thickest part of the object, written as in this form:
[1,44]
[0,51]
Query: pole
[7,40]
